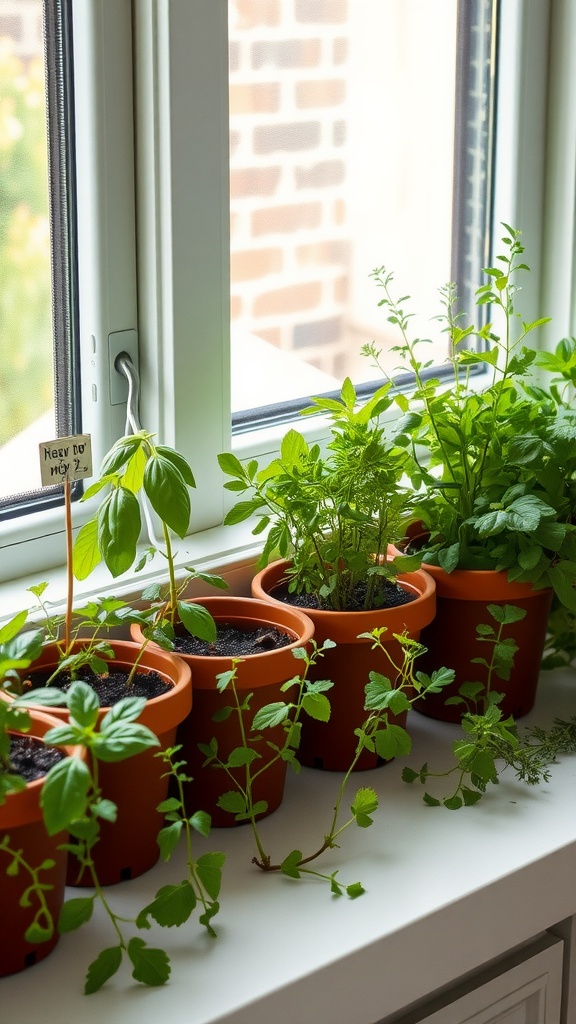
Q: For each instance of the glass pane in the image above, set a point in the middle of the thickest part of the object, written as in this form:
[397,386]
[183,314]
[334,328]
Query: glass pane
[342,122]
[26,363]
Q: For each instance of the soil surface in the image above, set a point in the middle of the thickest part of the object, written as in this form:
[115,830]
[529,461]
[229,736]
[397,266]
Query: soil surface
[392,596]
[31,758]
[234,641]
[109,688]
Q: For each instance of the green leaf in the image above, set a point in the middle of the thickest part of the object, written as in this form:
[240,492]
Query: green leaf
[449,558]
[83,705]
[506,614]
[102,968]
[355,890]
[172,906]
[233,802]
[392,741]
[270,715]
[123,740]
[365,804]
[168,494]
[241,756]
[431,801]
[75,913]
[64,795]
[197,621]
[151,966]
[209,867]
[230,465]
[168,838]
[126,710]
[293,448]
[453,803]
[86,554]
[289,865]
[179,462]
[317,706]
[119,525]
[200,822]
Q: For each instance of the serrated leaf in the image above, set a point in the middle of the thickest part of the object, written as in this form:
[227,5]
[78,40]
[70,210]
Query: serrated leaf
[392,741]
[151,966]
[317,706]
[75,912]
[171,907]
[200,822]
[365,804]
[241,756]
[102,968]
[233,802]
[209,867]
[270,715]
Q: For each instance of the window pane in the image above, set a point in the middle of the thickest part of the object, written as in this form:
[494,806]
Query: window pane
[35,278]
[342,120]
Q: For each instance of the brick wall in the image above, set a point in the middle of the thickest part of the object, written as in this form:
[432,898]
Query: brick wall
[289,248]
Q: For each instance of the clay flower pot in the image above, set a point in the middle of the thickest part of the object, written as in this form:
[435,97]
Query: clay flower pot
[127,848]
[462,599]
[331,745]
[22,824]
[261,675]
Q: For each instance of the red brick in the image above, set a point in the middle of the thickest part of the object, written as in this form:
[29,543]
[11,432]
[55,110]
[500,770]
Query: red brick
[339,211]
[258,98]
[329,92]
[288,300]
[284,219]
[235,307]
[254,181]
[289,137]
[341,289]
[251,264]
[329,251]
[273,335]
[252,13]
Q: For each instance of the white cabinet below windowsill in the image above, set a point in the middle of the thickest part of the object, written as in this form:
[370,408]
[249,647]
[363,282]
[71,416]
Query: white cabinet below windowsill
[523,989]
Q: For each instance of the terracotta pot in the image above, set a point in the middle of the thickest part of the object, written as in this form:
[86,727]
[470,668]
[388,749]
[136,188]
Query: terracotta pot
[22,822]
[462,599]
[261,675]
[127,848]
[331,745]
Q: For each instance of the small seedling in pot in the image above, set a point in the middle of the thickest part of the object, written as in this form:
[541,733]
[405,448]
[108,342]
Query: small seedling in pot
[135,466]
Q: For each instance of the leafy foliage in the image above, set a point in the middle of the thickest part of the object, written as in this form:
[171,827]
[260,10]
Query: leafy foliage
[493,470]
[490,741]
[333,514]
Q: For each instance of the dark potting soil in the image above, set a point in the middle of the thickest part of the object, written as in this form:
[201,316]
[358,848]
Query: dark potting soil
[234,641]
[392,595]
[30,758]
[109,688]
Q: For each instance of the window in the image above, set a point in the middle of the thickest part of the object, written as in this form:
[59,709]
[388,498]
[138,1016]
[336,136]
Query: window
[152,147]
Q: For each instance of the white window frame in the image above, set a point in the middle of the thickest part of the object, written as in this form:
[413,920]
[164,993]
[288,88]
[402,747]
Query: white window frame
[181,226]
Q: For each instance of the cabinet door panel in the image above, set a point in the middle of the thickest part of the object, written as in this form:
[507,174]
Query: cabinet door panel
[523,989]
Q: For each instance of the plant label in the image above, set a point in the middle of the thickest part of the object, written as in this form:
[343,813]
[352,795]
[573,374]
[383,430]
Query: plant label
[66,458]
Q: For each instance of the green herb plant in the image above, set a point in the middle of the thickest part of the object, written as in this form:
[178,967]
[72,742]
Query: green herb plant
[484,460]
[492,742]
[334,513]
[72,800]
[377,733]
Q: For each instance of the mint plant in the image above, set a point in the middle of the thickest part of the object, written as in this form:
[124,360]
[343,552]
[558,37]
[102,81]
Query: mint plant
[484,460]
[332,514]
[72,799]
[492,742]
[377,733]
[174,904]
